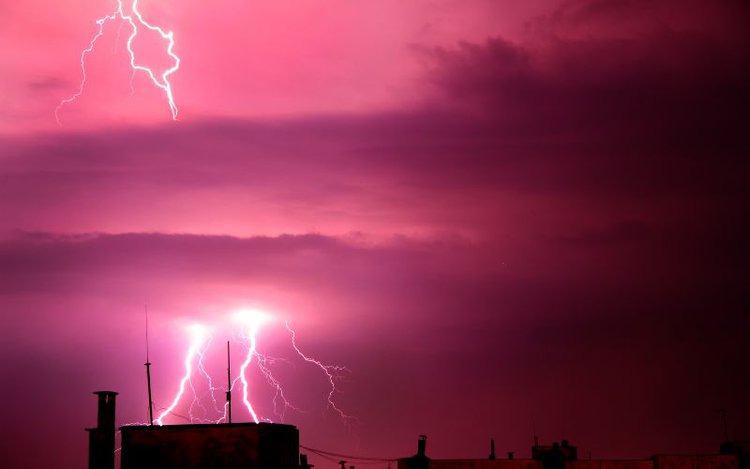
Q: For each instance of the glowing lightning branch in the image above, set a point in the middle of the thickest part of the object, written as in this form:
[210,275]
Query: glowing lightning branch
[169,37]
[253,320]
[134,19]
[243,378]
[100,22]
[263,365]
[198,338]
[332,372]
[211,388]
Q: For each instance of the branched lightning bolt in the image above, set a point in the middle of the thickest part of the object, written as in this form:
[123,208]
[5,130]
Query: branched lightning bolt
[198,338]
[243,378]
[332,372]
[211,388]
[169,37]
[252,319]
[263,365]
[100,32]
[134,19]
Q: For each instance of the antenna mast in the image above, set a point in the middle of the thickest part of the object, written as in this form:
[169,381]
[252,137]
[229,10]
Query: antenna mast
[723,411]
[148,375]
[229,386]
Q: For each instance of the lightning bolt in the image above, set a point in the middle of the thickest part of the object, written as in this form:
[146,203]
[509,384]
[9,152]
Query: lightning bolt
[264,363]
[136,21]
[207,376]
[198,339]
[332,372]
[252,319]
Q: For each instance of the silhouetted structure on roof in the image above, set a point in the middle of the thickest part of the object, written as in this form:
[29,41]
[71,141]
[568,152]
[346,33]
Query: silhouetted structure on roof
[419,460]
[102,438]
[740,449]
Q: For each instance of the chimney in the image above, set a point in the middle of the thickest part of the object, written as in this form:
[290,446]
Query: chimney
[102,438]
[422,446]
[303,464]
[419,460]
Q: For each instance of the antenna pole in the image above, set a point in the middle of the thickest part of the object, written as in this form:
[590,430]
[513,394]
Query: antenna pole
[148,376]
[723,411]
[229,386]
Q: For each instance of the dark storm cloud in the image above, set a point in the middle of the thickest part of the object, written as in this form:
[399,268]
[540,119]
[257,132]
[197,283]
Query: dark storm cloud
[661,111]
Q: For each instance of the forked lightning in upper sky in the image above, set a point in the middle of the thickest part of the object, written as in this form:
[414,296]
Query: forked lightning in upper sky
[136,21]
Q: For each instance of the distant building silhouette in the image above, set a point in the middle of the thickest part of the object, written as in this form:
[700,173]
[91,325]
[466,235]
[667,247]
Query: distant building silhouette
[565,456]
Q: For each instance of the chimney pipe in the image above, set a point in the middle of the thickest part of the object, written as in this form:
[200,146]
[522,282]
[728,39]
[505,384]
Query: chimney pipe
[102,438]
[422,446]
[303,464]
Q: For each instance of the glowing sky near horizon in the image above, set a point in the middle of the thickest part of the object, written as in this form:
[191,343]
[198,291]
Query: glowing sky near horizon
[498,215]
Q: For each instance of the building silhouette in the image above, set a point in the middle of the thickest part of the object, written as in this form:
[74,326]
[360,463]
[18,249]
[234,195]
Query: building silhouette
[219,446]
[215,446]
[276,446]
[733,455]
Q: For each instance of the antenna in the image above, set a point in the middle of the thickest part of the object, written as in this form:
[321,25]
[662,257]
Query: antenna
[723,411]
[229,386]
[148,375]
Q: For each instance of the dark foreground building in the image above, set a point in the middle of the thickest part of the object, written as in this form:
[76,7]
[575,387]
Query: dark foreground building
[215,446]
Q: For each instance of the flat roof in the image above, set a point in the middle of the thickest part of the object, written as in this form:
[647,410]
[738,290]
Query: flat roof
[196,426]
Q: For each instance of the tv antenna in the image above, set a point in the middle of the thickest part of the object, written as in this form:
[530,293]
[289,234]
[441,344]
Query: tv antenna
[148,375]
[229,386]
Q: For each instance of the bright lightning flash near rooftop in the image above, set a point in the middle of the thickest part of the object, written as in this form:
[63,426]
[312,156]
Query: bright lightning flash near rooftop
[251,319]
[198,334]
[196,372]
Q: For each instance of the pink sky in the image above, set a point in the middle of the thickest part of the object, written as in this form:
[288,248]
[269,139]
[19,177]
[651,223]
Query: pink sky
[496,214]
[239,59]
